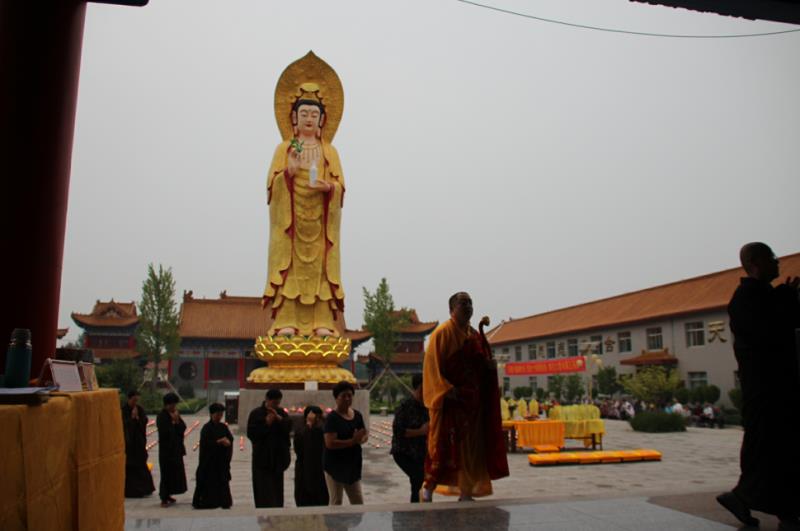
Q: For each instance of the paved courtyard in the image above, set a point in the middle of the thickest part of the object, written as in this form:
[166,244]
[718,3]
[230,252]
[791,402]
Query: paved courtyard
[699,460]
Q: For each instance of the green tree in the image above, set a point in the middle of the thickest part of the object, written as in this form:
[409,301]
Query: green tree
[712,394]
[607,381]
[157,336]
[736,398]
[573,388]
[556,386]
[653,384]
[121,374]
[382,321]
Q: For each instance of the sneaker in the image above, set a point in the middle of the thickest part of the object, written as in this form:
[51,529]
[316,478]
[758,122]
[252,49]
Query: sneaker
[737,508]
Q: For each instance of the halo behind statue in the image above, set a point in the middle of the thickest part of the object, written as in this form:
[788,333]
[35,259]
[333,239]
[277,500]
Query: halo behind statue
[309,69]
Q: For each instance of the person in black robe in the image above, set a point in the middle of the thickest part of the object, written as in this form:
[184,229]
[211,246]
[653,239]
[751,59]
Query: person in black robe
[309,444]
[138,480]
[410,437]
[171,450]
[268,428]
[213,488]
[763,320]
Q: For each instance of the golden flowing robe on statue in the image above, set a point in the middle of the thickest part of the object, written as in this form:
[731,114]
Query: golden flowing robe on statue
[304,286]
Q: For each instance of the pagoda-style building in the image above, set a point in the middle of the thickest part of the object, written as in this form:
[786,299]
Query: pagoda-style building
[218,337]
[409,349]
[110,330]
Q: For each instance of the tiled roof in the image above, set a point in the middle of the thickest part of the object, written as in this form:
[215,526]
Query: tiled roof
[414,325]
[658,357]
[357,336]
[108,314]
[699,294]
[228,317]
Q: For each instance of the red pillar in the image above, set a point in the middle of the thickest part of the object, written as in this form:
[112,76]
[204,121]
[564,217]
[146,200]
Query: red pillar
[40,51]
[242,375]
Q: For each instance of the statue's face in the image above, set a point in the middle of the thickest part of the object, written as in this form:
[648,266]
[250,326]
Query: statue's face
[308,119]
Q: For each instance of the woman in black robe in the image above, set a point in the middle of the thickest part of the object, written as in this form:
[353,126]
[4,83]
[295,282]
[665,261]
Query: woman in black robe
[138,480]
[309,478]
[171,450]
[213,487]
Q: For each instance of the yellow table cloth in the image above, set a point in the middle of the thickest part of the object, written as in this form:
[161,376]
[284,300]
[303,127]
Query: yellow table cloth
[63,464]
[530,433]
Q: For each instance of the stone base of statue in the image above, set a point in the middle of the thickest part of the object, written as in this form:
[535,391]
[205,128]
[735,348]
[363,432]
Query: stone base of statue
[294,360]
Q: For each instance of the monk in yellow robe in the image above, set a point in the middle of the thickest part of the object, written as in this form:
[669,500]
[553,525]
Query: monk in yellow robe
[466,447]
[305,188]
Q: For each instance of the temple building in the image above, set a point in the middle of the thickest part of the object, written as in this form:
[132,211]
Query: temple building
[683,325]
[110,330]
[217,341]
[409,350]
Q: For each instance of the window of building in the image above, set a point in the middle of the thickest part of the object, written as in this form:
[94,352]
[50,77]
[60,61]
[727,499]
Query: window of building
[531,352]
[518,353]
[624,340]
[597,344]
[551,349]
[697,379]
[695,334]
[533,383]
[505,350]
[506,385]
[572,347]
[561,349]
[223,369]
[654,339]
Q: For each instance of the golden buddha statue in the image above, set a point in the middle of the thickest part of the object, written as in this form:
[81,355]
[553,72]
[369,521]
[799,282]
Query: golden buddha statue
[305,191]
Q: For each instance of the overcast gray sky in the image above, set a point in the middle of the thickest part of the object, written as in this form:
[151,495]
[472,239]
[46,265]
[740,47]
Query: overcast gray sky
[534,165]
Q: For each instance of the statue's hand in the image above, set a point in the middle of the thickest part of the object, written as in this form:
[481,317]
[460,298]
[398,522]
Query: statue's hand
[293,162]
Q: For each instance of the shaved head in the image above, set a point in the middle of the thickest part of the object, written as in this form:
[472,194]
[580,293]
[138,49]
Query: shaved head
[759,261]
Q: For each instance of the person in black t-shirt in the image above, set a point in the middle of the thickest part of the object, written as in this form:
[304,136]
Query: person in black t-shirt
[409,437]
[344,434]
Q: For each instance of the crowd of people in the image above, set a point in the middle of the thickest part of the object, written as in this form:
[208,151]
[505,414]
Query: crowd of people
[445,436]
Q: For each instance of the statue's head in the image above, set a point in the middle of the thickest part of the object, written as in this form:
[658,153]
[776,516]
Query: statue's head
[308,111]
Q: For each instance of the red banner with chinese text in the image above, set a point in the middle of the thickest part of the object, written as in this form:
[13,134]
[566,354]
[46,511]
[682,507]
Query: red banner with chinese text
[552,366]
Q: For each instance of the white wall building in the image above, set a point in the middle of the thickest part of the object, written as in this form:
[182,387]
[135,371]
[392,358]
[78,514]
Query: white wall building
[682,325]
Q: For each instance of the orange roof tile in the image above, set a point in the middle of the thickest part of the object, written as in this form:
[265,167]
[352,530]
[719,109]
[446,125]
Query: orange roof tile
[110,314]
[228,317]
[357,335]
[414,325]
[656,357]
[704,293]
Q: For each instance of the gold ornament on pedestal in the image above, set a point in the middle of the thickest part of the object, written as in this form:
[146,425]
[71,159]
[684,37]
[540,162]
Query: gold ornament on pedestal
[305,191]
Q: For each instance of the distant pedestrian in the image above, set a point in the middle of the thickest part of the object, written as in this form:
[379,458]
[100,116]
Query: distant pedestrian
[345,432]
[171,450]
[268,428]
[410,437]
[309,477]
[213,488]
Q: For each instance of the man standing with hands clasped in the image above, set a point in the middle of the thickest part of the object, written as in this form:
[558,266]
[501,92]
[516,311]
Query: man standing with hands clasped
[268,428]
